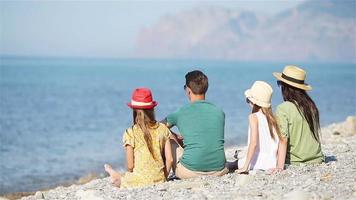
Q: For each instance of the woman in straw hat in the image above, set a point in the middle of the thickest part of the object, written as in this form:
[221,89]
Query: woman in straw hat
[148,148]
[263,134]
[298,119]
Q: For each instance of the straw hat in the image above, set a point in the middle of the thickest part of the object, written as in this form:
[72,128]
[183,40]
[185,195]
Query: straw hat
[260,94]
[293,76]
[142,99]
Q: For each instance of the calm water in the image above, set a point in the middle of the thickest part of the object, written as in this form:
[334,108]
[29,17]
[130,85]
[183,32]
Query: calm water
[63,118]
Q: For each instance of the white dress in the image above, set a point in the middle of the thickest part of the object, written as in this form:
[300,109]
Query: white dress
[265,156]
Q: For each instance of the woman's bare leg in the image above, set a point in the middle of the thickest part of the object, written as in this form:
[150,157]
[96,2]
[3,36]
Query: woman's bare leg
[115,176]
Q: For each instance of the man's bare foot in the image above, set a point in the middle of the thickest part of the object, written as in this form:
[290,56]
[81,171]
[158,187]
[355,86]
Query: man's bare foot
[115,176]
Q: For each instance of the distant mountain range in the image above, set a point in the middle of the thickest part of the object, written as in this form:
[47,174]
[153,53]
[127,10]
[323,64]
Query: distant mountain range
[313,31]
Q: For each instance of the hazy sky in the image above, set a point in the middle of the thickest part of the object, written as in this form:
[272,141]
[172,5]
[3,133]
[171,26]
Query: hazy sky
[95,28]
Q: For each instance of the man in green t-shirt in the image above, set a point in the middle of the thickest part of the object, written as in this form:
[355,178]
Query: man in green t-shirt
[201,126]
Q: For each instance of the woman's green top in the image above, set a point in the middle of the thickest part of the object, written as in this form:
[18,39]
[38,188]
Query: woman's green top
[302,146]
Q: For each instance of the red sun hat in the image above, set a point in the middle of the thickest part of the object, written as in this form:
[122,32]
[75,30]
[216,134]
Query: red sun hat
[142,99]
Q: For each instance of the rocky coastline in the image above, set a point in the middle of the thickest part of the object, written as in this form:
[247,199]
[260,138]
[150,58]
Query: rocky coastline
[334,179]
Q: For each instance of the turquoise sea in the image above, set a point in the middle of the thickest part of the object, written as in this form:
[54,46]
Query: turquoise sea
[63,118]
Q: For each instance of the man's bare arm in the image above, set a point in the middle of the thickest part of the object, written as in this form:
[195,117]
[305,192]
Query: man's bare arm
[174,136]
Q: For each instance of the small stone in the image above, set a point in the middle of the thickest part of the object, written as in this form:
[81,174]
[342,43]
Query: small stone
[297,195]
[326,177]
[350,125]
[253,172]
[39,195]
[244,179]
[186,185]
[88,195]
[336,133]
[309,181]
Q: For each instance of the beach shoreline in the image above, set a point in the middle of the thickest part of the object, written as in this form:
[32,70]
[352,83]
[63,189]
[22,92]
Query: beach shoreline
[333,179]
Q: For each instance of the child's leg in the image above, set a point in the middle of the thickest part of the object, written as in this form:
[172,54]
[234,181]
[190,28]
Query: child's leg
[115,176]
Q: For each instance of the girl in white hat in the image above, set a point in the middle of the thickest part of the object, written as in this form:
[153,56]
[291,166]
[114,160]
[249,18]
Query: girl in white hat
[263,134]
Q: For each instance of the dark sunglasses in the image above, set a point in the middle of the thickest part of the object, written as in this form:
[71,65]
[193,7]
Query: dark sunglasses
[185,87]
[247,100]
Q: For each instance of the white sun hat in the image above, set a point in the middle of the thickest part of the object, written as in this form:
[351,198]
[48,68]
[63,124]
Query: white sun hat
[260,94]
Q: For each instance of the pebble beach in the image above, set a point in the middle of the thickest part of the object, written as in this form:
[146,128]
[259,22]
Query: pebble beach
[334,179]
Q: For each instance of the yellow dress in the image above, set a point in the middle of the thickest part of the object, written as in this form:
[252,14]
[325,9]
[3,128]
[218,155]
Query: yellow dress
[147,170]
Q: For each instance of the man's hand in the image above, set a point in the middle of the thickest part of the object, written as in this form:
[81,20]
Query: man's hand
[180,137]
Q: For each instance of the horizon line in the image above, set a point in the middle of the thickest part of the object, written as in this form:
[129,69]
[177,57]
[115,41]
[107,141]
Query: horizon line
[39,57]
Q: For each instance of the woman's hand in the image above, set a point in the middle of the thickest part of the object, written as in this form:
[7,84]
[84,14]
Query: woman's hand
[243,170]
[276,170]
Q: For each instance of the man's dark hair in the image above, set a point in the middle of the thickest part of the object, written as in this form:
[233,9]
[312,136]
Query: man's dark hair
[197,81]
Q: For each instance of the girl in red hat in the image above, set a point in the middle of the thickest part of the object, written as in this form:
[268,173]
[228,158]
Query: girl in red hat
[148,148]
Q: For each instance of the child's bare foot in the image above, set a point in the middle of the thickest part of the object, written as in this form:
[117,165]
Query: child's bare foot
[109,169]
[115,176]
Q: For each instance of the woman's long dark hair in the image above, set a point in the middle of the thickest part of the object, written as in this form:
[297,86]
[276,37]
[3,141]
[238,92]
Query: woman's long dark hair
[145,119]
[305,105]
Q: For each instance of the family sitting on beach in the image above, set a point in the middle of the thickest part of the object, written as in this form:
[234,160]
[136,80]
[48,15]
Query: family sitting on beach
[289,136]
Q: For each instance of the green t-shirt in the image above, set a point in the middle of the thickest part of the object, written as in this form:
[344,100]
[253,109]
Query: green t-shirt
[202,126]
[302,147]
